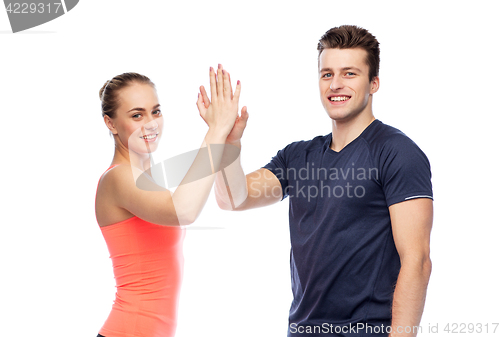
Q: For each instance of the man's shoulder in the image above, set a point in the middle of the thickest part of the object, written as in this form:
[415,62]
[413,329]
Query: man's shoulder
[317,142]
[388,144]
[299,149]
[383,136]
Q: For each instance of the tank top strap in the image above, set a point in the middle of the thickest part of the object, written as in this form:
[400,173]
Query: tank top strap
[109,168]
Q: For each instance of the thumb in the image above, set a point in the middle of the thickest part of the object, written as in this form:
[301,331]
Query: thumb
[244,113]
[200,106]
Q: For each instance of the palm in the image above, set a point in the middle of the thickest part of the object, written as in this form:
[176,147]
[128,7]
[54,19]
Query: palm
[238,127]
[204,107]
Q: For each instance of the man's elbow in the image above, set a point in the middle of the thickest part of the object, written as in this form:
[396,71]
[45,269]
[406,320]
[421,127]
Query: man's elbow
[424,267]
[420,264]
[427,267]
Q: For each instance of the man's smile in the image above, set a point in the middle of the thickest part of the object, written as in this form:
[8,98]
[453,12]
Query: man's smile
[338,98]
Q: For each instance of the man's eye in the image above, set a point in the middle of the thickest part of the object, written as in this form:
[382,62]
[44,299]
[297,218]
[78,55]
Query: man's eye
[327,75]
[350,74]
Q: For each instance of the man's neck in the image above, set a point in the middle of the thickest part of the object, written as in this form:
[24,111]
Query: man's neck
[344,132]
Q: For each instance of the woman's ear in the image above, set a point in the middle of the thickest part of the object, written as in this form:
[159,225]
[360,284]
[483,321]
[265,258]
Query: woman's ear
[111,126]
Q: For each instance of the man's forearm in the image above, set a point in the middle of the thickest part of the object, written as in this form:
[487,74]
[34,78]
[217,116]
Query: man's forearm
[230,183]
[409,297]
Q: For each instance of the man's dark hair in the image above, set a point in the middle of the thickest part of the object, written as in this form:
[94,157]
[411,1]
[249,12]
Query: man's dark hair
[347,37]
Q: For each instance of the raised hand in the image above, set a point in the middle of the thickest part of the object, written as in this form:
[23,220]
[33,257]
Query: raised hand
[203,104]
[221,113]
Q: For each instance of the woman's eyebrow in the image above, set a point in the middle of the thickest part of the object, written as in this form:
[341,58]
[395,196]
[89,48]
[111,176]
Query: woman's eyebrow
[142,109]
[136,109]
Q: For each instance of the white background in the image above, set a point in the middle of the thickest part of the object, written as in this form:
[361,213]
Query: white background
[439,84]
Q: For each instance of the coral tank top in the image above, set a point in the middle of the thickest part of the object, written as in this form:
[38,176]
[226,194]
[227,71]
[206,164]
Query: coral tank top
[147,264]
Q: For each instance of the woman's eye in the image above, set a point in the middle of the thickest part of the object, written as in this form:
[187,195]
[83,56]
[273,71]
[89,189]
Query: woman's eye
[136,116]
[157,112]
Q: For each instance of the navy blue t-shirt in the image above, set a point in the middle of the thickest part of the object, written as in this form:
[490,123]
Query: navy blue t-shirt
[343,260]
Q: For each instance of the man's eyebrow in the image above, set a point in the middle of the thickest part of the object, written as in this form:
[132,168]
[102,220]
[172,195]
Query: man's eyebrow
[351,68]
[342,69]
[142,109]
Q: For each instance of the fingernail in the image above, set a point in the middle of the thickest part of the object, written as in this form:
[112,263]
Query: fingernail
[238,82]
[211,69]
[220,66]
[223,72]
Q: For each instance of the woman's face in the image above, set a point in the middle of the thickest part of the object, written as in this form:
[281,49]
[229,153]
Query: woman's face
[138,121]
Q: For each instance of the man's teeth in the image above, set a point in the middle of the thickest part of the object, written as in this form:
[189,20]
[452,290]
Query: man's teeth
[149,137]
[339,98]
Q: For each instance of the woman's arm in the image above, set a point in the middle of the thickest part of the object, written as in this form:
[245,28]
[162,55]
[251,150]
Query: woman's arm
[184,205]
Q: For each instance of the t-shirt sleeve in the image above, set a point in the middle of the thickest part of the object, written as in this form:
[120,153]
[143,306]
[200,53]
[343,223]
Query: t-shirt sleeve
[405,171]
[278,166]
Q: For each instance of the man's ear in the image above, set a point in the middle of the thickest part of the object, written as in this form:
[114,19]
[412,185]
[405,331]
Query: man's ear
[374,85]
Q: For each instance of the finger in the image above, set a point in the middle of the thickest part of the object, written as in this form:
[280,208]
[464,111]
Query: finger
[204,96]
[237,92]
[220,82]
[213,85]
[230,85]
[227,86]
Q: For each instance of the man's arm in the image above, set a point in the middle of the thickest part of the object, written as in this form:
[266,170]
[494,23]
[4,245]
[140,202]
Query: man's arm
[236,191]
[411,226]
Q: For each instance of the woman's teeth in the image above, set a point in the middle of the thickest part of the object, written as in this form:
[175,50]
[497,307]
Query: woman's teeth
[148,137]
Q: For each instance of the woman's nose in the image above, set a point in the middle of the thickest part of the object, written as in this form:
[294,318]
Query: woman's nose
[151,125]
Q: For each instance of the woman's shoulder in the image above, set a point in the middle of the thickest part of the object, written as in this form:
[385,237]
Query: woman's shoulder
[116,180]
[111,184]
[117,173]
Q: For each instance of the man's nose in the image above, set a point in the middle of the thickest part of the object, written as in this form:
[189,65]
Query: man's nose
[336,83]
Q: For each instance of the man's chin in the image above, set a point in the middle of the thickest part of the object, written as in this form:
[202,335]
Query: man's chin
[339,116]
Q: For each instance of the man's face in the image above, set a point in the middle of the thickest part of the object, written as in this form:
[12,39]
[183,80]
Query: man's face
[344,84]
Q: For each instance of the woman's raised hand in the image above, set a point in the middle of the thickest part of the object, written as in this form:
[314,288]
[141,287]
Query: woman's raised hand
[221,113]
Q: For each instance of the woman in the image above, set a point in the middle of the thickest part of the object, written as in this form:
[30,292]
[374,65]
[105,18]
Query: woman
[142,225]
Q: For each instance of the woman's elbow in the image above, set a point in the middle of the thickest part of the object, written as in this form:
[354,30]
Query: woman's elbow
[223,205]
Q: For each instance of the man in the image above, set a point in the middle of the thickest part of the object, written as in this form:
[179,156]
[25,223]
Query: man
[360,205]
